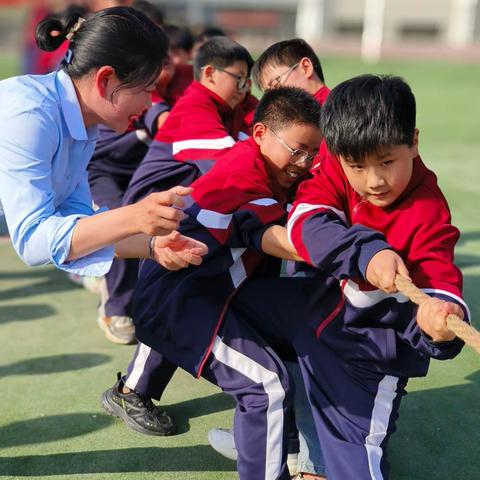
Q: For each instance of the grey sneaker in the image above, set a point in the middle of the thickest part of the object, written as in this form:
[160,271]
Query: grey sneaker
[138,412]
[118,329]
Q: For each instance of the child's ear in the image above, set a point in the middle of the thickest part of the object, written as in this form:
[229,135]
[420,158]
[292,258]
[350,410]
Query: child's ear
[306,67]
[104,82]
[208,74]
[258,132]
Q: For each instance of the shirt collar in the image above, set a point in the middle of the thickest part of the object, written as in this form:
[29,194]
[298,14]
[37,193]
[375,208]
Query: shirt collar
[71,109]
[222,105]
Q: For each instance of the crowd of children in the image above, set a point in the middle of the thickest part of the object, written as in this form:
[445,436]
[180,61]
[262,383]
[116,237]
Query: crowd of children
[317,360]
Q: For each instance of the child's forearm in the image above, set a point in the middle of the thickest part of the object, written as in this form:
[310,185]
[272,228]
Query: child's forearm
[275,242]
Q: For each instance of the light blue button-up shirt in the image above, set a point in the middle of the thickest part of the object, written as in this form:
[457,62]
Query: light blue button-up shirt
[44,152]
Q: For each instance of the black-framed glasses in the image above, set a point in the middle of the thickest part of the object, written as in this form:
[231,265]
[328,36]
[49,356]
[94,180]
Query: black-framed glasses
[243,83]
[277,81]
[298,157]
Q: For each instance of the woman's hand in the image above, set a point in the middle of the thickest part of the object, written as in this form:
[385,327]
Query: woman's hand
[159,213]
[175,251]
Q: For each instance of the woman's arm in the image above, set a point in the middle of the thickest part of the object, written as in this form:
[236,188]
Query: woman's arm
[275,242]
[157,214]
[172,251]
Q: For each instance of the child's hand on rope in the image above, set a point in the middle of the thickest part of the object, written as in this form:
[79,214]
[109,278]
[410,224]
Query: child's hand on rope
[382,269]
[432,318]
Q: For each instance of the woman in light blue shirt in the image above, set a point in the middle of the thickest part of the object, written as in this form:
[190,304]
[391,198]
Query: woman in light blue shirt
[48,130]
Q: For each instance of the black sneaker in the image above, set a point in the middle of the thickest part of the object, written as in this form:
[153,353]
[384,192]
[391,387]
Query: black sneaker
[137,411]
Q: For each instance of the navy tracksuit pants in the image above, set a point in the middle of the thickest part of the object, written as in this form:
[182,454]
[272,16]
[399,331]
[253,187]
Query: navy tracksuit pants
[108,190]
[354,407]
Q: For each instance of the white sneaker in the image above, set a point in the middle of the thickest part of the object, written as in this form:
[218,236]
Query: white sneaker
[222,441]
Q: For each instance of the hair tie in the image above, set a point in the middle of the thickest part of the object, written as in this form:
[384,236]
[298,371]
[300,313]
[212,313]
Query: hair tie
[75,28]
[68,56]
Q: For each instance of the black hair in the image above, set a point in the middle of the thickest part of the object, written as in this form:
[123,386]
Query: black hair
[282,107]
[121,37]
[209,32]
[220,52]
[179,37]
[153,12]
[288,53]
[366,113]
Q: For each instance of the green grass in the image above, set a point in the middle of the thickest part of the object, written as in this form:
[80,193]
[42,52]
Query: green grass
[54,362]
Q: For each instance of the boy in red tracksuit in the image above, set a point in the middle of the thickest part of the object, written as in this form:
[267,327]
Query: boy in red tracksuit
[291,63]
[201,126]
[294,63]
[185,315]
[371,211]
[204,124]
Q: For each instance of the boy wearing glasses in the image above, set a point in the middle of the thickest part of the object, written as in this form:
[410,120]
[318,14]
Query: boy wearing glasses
[237,210]
[204,123]
[291,63]
[294,63]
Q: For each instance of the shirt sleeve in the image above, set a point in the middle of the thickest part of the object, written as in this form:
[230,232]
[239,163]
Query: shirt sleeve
[238,214]
[319,227]
[40,231]
[431,267]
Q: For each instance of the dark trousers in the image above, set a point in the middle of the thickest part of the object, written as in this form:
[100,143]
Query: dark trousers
[120,281]
[244,366]
[149,372]
[354,407]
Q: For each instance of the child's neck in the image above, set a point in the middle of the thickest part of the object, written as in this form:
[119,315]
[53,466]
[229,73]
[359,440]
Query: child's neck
[315,84]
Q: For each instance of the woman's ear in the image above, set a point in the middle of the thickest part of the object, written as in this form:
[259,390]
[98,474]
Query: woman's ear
[105,82]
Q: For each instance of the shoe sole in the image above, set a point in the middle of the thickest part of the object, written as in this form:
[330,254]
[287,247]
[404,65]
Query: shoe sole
[111,337]
[117,411]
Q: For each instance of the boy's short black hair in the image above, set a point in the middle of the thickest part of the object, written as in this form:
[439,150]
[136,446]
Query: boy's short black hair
[209,32]
[288,53]
[282,107]
[366,113]
[220,52]
[179,37]
[152,11]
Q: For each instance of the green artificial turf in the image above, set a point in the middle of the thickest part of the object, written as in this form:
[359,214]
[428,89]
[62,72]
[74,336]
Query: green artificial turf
[55,362]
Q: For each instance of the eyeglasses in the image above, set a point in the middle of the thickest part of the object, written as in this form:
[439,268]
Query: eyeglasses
[298,157]
[277,81]
[243,83]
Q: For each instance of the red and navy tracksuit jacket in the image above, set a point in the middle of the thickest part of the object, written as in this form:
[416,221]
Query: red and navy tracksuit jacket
[179,313]
[199,129]
[337,231]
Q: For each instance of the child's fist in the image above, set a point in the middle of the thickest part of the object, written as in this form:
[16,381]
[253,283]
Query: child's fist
[432,318]
[383,268]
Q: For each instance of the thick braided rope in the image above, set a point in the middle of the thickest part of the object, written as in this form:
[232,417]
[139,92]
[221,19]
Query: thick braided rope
[461,329]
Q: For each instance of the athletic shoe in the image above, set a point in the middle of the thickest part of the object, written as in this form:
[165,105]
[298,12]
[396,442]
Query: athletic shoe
[222,441]
[118,329]
[137,411]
